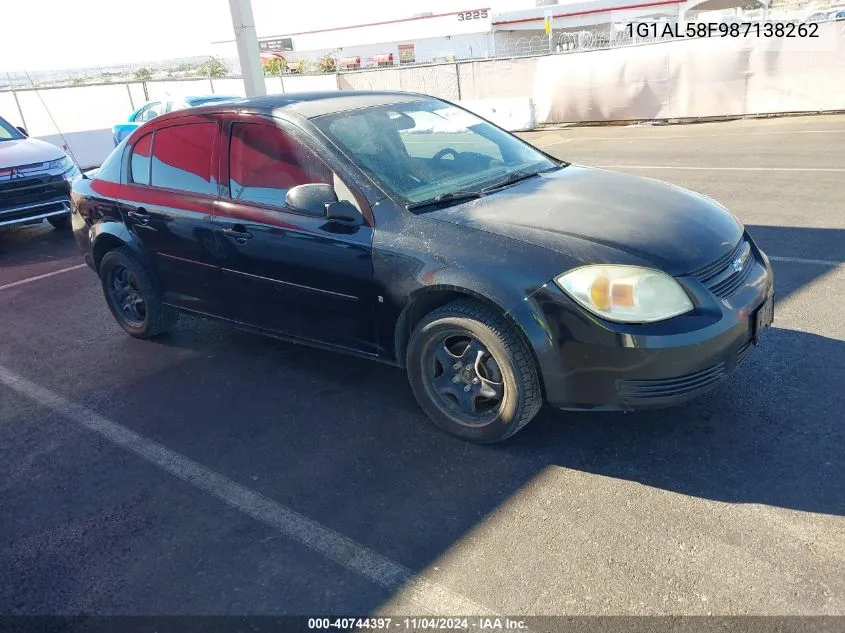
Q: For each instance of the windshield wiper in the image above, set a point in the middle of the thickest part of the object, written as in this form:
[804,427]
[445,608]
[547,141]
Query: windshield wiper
[511,179]
[449,196]
[518,176]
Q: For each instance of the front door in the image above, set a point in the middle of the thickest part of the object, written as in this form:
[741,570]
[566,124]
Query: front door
[284,271]
[169,204]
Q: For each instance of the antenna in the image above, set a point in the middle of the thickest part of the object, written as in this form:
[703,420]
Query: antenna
[52,120]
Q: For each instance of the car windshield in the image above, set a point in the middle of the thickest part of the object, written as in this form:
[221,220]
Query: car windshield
[8,131]
[428,151]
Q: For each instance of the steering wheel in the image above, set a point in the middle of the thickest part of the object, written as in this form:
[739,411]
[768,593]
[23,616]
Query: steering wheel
[444,152]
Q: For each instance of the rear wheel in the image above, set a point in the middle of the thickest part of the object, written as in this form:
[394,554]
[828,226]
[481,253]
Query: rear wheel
[472,373]
[60,222]
[132,296]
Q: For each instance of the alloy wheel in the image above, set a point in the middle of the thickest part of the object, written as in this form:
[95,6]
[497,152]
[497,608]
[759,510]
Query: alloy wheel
[464,378]
[126,297]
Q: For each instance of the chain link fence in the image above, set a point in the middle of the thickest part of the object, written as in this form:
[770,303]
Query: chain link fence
[608,30]
[208,67]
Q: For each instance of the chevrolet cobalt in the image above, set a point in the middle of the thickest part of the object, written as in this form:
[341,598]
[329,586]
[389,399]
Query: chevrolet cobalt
[406,229]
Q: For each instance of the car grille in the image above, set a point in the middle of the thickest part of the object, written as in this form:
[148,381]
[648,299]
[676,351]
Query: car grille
[667,388]
[721,277]
[23,191]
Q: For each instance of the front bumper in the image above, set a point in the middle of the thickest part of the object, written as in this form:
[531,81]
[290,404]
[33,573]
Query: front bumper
[30,213]
[588,363]
[33,198]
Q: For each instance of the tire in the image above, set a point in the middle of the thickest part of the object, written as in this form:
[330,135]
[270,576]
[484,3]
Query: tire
[60,222]
[149,318]
[443,391]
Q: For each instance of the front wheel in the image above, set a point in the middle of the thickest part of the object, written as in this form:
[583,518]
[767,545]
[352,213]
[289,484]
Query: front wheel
[132,296]
[472,373]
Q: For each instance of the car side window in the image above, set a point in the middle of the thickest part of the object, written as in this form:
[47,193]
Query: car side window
[182,158]
[265,162]
[149,111]
[139,163]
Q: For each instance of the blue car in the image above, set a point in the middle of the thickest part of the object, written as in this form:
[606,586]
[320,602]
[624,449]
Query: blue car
[151,109]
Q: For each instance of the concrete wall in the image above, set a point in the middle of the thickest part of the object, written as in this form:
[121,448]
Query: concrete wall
[680,79]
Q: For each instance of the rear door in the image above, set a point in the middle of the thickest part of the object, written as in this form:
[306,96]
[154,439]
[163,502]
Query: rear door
[170,194]
[281,270]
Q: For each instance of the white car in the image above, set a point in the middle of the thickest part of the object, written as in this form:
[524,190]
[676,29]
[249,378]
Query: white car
[35,179]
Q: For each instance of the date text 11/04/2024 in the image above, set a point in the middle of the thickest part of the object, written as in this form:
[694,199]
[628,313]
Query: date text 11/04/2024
[419,624]
[722,29]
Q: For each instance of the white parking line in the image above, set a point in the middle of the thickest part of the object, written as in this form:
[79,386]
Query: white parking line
[828,169]
[801,260]
[44,276]
[434,598]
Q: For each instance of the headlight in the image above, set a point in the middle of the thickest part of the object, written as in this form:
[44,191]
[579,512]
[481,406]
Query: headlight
[628,294]
[66,164]
[63,163]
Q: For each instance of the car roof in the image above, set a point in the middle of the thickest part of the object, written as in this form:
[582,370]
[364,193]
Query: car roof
[202,98]
[311,104]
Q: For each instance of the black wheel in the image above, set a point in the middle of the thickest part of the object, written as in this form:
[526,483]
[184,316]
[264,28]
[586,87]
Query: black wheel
[472,374]
[60,222]
[131,295]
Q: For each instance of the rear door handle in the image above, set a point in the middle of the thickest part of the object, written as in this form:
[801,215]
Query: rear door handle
[238,233]
[140,216]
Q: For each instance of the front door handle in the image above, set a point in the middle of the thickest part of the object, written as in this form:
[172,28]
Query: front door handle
[238,233]
[140,216]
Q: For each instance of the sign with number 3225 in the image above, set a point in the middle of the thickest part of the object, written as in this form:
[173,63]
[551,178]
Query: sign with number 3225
[472,15]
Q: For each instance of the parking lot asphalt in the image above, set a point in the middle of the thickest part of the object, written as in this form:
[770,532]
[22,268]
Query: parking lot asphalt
[217,472]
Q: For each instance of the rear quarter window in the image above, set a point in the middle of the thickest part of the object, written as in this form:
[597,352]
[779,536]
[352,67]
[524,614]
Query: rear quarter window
[139,162]
[109,171]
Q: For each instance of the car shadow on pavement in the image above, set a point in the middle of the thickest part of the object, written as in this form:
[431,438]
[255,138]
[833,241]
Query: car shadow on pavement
[771,434]
[802,242]
[342,440]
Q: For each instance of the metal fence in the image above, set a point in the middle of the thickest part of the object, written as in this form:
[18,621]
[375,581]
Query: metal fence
[608,30]
[204,67]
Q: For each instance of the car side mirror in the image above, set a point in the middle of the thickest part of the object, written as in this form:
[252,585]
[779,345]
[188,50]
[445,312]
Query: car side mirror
[343,211]
[311,199]
[23,131]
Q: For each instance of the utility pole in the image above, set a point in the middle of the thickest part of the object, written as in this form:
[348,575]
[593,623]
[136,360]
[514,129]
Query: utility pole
[247,42]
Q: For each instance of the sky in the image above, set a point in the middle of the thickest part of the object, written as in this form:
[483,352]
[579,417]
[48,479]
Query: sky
[60,34]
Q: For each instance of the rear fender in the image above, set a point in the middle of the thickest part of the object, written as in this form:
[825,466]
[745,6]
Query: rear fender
[108,235]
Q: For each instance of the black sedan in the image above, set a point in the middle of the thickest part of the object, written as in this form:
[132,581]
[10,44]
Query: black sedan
[405,229]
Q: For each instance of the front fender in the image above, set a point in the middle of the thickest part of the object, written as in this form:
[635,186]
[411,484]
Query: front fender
[415,255]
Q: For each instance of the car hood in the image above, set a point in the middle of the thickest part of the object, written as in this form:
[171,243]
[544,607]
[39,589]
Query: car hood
[27,151]
[600,216]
